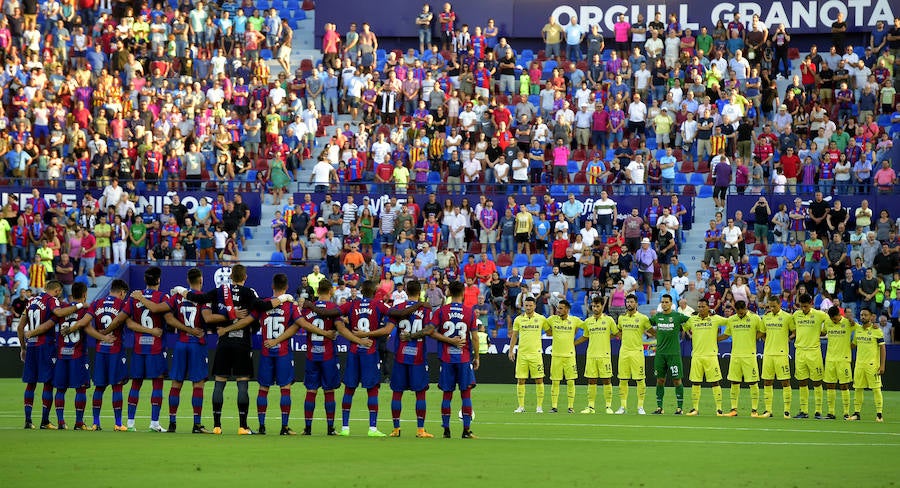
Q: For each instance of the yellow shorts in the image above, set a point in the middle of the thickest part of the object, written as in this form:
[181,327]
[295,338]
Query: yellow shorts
[631,366]
[529,367]
[838,372]
[776,367]
[866,376]
[808,365]
[598,368]
[743,370]
[705,366]
[563,368]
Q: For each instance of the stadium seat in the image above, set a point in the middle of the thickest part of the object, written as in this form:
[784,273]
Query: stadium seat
[557,190]
[686,167]
[610,154]
[659,153]
[641,297]
[573,167]
[689,191]
[706,191]
[520,261]
[651,144]
[266,54]
[680,180]
[777,250]
[697,179]
[538,260]
[754,261]
[263,5]
[113,270]
[277,259]
[775,286]
[82,279]
[884,120]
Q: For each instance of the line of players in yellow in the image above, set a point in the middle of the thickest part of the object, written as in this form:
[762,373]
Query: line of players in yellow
[805,327]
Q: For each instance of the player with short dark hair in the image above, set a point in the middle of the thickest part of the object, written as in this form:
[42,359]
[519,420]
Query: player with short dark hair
[562,359]
[527,329]
[410,371]
[839,330]
[633,325]
[38,352]
[703,329]
[808,367]
[667,361]
[457,331]
[745,329]
[870,356]
[777,326]
[598,329]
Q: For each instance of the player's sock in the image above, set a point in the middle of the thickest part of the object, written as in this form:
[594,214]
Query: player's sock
[831,398]
[134,395]
[804,399]
[735,395]
[28,400]
[218,399]
[243,402]
[641,392]
[608,394]
[309,406]
[174,401]
[197,403]
[285,405]
[330,407]
[46,401]
[346,404]
[554,394]
[879,399]
[660,393]
[80,404]
[570,393]
[117,401]
[420,409]
[445,409]
[768,394]
[396,407]
[467,407]
[717,396]
[262,403]
[845,401]
[817,394]
[695,396]
[623,394]
[60,402]
[754,396]
[679,394]
[858,400]
[520,394]
[372,403]
[156,397]
[97,403]
[787,395]
[592,394]
[540,394]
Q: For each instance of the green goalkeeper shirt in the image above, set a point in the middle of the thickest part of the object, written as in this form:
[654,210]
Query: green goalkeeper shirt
[668,332]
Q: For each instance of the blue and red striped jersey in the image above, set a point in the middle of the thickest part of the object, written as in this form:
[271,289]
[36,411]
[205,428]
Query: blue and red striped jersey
[319,348]
[273,323]
[454,320]
[72,345]
[40,309]
[189,314]
[146,343]
[104,311]
[413,351]
[364,315]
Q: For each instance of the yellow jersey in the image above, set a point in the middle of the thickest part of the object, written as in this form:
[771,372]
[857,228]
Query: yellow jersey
[869,341]
[633,328]
[778,332]
[839,337]
[809,329]
[743,332]
[599,330]
[529,331]
[564,334]
[704,334]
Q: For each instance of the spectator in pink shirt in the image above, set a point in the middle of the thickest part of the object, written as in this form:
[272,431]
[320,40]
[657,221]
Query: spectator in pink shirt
[885,178]
[560,161]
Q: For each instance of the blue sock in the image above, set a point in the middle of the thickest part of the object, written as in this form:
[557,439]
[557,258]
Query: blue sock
[60,401]
[134,396]
[467,408]
[29,400]
[372,403]
[80,402]
[309,406]
[174,402]
[197,403]
[346,404]
[97,402]
[46,400]
[420,409]
[156,397]
[117,399]
[285,406]
[262,406]
[445,409]
[396,407]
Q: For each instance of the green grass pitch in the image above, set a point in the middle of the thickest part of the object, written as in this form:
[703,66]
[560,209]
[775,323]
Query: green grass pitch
[513,450]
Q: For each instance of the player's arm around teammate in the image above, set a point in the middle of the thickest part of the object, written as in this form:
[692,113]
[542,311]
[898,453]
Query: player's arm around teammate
[526,334]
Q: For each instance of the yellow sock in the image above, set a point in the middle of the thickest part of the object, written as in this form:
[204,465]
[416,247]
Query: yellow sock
[695,397]
[787,394]
[754,397]
[735,395]
[858,399]
[768,394]
[554,393]
[592,394]
[641,392]
[831,396]
[845,401]
[520,395]
[623,394]
[540,394]
[817,393]
[570,392]
[608,394]
[717,396]
[879,399]
[804,399]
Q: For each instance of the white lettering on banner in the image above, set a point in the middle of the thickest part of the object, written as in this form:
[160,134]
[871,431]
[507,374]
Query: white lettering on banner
[859,14]
[23,198]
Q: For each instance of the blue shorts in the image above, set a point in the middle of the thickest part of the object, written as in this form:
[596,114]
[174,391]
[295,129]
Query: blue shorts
[39,364]
[189,362]
[455,375]
[71,373]
[362,368]
[322,374]
[409,377]
[276,370]
[147,366]
[109,369]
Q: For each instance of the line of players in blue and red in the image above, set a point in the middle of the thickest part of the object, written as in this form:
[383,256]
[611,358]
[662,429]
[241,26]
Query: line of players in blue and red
[54,350]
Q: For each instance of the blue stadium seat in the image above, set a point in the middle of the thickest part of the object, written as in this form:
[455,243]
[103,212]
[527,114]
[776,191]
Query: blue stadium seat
[538,260]
[113,270]
[266,54]
[681,179]
[775,286]
[546,271]
[641,297]
[502,333]
[82,279]
[884,120]
[754,261]
[558,190]
[520,261]
[706,191]
[277,259]
[651,144]
[610,154]
[697,179]
[776,250]
[573,167]
[659,153]
[299,14]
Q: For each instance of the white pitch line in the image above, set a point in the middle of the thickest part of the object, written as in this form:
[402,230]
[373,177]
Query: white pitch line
[680,441]
[692,427]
